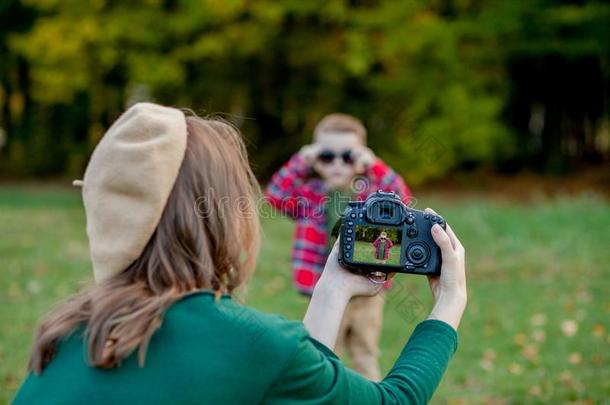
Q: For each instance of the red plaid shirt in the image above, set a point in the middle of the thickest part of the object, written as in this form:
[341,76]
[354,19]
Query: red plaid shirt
[294,193]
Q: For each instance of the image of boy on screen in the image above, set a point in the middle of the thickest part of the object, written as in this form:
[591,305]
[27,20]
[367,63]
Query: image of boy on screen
[382,247]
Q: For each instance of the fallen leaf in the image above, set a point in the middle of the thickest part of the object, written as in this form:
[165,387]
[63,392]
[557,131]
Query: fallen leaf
[584,296]
[566,377]
[569,327]
[568,380]
[14,291]
[530,352]
[11,381]
[535,390]
[538,319]
[539,335]
[598,330]
[515,368]
[597,359]
[575,358]
[520,339]
[33,287]
[487,362]
[581,314]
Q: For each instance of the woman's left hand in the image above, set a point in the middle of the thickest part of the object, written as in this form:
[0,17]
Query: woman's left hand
[330,297]
[337,280]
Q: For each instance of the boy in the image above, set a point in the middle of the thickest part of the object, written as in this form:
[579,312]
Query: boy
[346,169]
[382,247]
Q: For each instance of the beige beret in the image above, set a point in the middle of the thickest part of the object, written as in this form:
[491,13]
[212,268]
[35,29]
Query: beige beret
[128,181]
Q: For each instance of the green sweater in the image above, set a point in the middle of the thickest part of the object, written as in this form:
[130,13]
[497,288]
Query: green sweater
[220,352]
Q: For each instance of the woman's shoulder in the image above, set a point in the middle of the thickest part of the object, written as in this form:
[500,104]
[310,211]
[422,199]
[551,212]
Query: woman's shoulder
[227,317]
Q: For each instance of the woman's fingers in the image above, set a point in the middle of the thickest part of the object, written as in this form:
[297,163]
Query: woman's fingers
[454,239]
[444,242]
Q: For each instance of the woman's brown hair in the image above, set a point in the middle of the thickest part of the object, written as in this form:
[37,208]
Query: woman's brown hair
[208,238]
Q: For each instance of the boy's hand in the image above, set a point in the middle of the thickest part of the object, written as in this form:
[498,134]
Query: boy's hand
[309,153]
[363,158]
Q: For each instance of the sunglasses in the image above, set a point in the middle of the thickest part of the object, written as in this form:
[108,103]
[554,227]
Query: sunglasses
[328,156]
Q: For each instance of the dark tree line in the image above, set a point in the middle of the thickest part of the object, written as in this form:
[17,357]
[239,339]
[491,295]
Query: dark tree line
[441,85]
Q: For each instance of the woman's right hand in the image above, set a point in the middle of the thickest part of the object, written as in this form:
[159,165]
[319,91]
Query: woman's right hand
[449,289]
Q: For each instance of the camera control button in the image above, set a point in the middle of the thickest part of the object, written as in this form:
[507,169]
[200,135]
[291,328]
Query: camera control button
[426,216]
[417,253]
[410,219]
[353,215]
[348,254]
[349,239]
[409,267]
[412,232]
[350,223]
[348,247]
[350,231]
[434,218]
[361,215]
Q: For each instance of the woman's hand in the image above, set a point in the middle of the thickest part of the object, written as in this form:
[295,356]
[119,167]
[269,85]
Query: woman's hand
[330,297]
[337,280]
[449,289]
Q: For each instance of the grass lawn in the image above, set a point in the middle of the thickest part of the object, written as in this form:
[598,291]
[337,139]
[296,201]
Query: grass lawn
[364,252]
[536,328]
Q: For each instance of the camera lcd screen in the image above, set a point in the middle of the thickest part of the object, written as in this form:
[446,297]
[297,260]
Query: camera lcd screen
[377,245]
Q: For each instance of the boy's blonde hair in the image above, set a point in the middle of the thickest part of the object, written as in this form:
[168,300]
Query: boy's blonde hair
[340,123]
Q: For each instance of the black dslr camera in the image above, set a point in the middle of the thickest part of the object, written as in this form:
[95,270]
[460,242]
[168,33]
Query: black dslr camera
[383,235]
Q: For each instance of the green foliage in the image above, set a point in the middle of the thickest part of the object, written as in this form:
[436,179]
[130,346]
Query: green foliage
[428,78]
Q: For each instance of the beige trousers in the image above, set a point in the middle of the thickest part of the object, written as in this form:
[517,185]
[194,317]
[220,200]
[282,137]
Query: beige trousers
[359,334]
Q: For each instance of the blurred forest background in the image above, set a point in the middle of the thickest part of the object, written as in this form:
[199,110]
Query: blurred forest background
[440,84]
[503,98]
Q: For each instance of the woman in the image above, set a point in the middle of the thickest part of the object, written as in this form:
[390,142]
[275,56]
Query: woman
[173,231]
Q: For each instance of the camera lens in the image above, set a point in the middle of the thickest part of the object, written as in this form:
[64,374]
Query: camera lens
[417,253]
